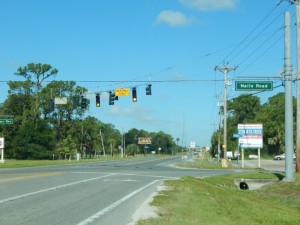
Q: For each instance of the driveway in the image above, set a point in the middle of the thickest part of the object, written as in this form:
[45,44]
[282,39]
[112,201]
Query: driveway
[267,164]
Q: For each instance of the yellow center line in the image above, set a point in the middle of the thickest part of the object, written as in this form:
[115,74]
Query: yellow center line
[29,176]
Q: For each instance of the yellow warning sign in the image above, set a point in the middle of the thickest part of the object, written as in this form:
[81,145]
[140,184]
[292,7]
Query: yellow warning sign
[122,91]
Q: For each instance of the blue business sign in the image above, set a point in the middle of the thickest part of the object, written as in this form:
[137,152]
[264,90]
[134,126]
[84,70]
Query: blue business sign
[237,135]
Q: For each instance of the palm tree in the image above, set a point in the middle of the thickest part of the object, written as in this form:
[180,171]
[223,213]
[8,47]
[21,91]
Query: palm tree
[177,140]
[112,142]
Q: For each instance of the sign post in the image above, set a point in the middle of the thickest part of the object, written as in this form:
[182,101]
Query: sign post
[2,149]
[238,146]
[251,137]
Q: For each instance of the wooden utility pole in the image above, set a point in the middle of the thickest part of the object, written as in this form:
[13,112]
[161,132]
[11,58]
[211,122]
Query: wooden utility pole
[225,70]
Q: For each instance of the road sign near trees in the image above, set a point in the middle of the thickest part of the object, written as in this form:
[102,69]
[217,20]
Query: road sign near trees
[6,121]
[254,85]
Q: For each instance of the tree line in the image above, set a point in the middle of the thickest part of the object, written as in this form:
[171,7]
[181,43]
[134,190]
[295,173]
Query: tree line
[39,132]
[247,108]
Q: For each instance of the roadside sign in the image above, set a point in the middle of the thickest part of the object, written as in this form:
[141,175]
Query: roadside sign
[251,135]
[144,140]
[122,91]
[254,85]
[1,142]
[60,100]
[237,135]
[193,144]
[6,121]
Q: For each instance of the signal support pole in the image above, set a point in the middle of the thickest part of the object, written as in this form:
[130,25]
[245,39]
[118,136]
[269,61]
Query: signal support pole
[298,85]
[225,70]
[288,69]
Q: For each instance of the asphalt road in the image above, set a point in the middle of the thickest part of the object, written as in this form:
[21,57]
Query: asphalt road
[105,193]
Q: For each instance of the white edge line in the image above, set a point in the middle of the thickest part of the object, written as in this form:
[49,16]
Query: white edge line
[114,205]
[51,189]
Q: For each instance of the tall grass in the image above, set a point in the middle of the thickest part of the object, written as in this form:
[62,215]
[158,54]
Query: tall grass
[216,200]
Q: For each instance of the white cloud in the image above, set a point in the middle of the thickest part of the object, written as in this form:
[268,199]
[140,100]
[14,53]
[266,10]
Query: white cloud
[210,5]
[172,18]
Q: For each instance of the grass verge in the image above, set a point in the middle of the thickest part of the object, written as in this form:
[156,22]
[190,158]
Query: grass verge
[216,200]
[13,163]
[203,164]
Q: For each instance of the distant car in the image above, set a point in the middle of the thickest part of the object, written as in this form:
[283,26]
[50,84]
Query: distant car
[282,156]
[279,157]
[253,156]
[231,156]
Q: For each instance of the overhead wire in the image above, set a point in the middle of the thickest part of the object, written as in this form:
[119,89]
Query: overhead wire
[249,34]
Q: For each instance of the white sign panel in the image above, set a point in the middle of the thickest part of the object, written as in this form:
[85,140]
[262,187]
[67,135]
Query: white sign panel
[60,101]
[193,144]
[251,135]
[1,142]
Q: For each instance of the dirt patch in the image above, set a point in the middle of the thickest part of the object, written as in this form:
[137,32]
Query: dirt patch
[146,211]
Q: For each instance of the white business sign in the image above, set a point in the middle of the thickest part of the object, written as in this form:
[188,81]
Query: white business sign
[193,144]
[1,142]
[250,135]
[60,100]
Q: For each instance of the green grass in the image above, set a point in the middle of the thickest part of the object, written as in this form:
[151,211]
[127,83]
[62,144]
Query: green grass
[204,164]
[13,163]
[216,200]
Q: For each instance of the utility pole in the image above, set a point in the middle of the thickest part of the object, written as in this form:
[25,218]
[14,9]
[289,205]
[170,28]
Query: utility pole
[219,128]
[225,70]
[288,69]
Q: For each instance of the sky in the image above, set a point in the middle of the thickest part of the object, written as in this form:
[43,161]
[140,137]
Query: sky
[174,45]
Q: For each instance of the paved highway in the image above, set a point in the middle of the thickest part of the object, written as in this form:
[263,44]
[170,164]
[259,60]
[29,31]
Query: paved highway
[95,193]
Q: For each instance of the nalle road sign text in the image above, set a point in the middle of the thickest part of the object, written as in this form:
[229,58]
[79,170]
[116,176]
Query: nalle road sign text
[6,121]
[254,85]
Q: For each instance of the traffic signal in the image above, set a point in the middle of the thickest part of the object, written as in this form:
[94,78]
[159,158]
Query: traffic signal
[148,89]
[51,105]
[75,102]
[134,96]
[83,102]
[97,100]
[111,98]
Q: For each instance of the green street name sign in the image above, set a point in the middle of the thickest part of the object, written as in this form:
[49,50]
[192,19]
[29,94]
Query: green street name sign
[254,85]
[6,121]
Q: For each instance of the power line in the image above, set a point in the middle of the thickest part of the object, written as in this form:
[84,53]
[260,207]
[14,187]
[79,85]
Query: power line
[249,34]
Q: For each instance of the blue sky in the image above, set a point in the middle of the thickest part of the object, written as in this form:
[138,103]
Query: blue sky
[172,44]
